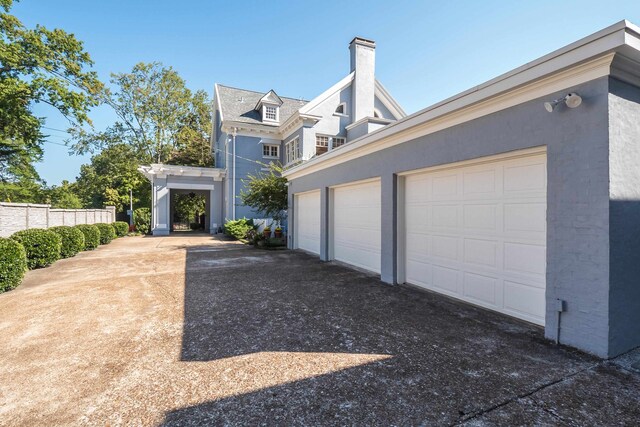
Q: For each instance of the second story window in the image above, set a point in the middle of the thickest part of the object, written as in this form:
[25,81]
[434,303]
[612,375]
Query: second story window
[270,113]
[337,141]
[292,150]
[270,151]
[322,144]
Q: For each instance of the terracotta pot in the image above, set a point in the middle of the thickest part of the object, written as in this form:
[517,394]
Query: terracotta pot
[266,233]
[278,234]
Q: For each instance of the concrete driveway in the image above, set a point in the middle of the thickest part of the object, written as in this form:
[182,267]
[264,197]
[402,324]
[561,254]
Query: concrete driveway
[200,331]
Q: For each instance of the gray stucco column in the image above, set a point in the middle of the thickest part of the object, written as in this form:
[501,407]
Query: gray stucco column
[389,228]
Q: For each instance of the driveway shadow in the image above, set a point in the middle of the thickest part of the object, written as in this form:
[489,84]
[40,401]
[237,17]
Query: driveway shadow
[445,359]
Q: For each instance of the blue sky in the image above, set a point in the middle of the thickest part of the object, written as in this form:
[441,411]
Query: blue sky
[426,51]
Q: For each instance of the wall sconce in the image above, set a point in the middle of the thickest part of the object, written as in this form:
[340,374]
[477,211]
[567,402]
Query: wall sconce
[572,100]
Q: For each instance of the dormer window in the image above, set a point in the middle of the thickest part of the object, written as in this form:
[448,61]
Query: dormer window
[270,113]
[269,105]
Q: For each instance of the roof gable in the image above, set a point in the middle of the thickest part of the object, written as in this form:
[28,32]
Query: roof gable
[270,98]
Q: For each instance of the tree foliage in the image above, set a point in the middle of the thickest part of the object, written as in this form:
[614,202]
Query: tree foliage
[37,66]
[109,177]
[62,196]
[266,192]
[158,117]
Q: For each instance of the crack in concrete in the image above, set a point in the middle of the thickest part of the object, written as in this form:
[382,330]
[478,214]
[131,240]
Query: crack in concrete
[467,417]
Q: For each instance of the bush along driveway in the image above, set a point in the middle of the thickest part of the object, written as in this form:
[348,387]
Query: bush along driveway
[200,331]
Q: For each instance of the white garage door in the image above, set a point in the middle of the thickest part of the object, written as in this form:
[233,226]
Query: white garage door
[478,233]
[307,221]
[356,225]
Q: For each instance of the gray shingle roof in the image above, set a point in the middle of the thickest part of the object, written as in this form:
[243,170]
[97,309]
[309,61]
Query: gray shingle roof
[238,105]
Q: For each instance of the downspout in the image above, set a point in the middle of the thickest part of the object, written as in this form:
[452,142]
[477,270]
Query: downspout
[233,184]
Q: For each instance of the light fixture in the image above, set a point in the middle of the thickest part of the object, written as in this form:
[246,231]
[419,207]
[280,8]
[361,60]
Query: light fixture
[572,100]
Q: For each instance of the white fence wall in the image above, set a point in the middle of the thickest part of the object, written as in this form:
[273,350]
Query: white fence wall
[21,216]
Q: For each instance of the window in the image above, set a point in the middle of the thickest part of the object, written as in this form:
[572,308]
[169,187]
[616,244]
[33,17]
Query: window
[338,141]
[270,113]
[322,144]
[292,150]
[271,151]
[341,110]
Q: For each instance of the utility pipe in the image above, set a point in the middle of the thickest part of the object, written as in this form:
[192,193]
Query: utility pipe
[233,184]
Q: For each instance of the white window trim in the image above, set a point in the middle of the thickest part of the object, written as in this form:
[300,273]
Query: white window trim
[264,113]
[298,153]
[344,108]
[277,147]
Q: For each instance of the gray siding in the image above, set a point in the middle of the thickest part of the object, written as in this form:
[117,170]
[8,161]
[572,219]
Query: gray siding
[577,199]
[624,217]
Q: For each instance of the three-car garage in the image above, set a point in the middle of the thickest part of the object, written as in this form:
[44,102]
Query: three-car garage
[475,231]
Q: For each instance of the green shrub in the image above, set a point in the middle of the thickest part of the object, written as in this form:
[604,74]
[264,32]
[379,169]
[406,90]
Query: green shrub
[107,233]
[72,240]
[13,264]
[239,228]
[42,246]
[121,227]
[142,220]
[91,236]
[195,226]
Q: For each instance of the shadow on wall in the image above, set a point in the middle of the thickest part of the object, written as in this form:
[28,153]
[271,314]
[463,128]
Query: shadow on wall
[314,343]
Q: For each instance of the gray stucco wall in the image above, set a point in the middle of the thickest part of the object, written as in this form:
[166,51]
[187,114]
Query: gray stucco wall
[577,198]
[624,217]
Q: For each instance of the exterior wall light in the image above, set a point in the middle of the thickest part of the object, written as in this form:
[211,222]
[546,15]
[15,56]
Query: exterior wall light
[572,100]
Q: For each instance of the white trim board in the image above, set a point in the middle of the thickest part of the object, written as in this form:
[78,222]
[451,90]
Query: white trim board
[181,186]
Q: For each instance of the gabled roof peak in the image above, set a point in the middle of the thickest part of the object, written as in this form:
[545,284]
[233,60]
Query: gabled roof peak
[270,97]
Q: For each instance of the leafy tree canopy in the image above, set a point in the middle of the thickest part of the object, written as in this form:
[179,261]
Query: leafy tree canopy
[37,66]
[158,117]
[108,178]
[266,192]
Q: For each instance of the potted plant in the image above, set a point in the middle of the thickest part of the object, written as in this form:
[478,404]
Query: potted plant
[278,232]
[266,232]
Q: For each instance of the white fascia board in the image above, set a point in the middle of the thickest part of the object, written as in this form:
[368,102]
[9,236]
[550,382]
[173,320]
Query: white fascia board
[216,95]
[326,94]
[388,101]
[580,62]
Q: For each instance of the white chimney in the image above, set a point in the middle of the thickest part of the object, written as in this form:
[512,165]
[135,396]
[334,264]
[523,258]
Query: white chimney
[363,62]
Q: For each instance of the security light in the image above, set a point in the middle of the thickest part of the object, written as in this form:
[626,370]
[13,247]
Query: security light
[572,100]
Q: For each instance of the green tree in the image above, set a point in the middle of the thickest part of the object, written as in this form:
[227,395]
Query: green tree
[158,117]
[108,178]
[37,66]
[267,192]
[63,196]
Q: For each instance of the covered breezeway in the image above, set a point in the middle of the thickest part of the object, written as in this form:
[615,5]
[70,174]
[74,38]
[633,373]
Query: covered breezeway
[168,181]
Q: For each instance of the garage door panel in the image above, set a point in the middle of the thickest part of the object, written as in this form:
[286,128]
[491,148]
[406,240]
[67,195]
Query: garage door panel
[480,287]
[356,225]
[480,183]
[444,247]
[478,233]
[307,221]
[524,300]
[481,252]
[525,258]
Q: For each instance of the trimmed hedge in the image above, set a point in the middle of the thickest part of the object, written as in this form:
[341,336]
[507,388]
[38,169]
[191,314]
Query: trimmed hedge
[42,246]
[91,236]
[142,220]
[121,227]
[107,233]
[72,240]
[13,264]
[239,228]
